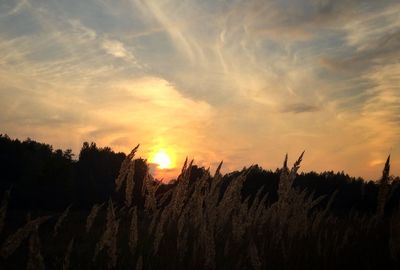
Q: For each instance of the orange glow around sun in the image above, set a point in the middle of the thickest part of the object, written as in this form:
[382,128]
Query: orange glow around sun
[163,159]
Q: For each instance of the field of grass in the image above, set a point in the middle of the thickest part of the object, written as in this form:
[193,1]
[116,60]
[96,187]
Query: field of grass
[204,222]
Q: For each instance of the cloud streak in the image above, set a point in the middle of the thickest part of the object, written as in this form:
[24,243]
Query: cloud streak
[243,81]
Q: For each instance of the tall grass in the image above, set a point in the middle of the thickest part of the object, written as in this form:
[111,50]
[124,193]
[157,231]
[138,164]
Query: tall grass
[207,223]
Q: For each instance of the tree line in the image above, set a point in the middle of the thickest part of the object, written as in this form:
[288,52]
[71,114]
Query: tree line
[44,178]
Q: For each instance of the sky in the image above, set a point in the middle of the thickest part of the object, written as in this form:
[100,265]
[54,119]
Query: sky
[240,81]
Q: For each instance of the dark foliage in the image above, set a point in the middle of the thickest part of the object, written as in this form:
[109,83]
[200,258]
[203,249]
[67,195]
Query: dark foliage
[48,179]
[43,178]
[307,221]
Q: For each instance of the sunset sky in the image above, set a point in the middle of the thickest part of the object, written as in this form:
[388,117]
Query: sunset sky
[241,81]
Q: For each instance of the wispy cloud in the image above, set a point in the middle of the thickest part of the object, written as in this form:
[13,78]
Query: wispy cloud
[116,48]
[9,8]
[243,81]
[300,108]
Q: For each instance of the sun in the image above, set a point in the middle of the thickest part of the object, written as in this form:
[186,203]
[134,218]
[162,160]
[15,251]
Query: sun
[162,159]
